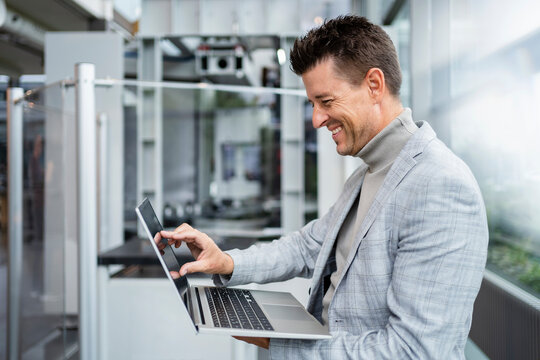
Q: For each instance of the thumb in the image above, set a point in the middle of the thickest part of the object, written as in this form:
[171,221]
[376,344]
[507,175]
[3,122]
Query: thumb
[193,267]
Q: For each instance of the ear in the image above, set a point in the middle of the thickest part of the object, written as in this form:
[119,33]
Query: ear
[375,82]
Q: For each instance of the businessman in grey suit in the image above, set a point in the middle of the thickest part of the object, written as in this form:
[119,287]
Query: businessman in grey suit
[397,261]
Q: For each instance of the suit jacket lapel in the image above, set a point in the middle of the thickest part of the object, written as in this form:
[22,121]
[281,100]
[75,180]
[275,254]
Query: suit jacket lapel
[402,165]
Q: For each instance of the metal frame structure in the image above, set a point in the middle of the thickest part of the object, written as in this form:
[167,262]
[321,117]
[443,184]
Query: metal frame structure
[150,125]
[15,216]
[292,150]
[87,208]
[150,134]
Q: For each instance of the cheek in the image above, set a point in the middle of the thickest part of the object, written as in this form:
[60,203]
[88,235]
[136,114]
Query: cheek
[351,121]
[341,114]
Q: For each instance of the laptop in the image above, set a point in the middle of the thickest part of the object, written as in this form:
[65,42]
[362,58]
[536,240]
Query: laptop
[232,311]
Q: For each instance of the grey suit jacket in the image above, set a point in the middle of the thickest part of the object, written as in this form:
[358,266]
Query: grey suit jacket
[413,273]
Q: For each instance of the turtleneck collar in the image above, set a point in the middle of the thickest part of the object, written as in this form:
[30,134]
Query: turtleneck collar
[384,148]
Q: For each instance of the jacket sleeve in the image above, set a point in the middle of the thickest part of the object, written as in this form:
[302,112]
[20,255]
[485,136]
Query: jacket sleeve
[285,258]
[439,262]
[292,255]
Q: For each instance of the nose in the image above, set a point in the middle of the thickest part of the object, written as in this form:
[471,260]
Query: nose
[319,117]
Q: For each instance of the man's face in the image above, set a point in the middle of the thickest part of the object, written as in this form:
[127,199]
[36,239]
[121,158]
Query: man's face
[346,110]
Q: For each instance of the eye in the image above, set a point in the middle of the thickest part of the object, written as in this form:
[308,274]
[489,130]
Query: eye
[326,102]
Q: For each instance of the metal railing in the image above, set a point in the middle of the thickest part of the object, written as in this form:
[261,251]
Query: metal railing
[88,180]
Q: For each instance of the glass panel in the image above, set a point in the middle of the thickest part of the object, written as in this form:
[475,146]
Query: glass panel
[43,321]
[220,155]
[220,168]
[495,95]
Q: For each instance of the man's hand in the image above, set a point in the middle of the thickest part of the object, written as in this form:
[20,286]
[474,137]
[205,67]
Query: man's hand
[259,341]
[209,257]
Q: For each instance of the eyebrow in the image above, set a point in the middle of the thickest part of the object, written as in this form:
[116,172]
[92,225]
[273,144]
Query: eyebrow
[322,96]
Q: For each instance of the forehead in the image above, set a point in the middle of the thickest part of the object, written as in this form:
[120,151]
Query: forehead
[324,79]
[325,67]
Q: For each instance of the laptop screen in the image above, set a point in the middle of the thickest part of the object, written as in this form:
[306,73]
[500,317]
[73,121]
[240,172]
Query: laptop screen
[169,258]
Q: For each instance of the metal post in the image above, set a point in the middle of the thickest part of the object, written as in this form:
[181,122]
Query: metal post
[87,209]
[150,126]
[420,57]
[292,151]
[15,218]
[103,188]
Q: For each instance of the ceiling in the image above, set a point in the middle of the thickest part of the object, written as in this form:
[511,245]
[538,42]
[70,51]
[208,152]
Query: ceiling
[17,56]
[53,15]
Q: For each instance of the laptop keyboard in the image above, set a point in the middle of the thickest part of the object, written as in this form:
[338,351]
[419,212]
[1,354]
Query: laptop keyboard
[236,308]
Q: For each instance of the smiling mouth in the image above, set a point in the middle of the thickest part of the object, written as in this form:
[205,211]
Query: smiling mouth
[336,130]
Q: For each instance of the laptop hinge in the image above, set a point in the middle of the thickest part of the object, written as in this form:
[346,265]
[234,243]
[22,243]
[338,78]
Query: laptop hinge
[199,305]
[195,307]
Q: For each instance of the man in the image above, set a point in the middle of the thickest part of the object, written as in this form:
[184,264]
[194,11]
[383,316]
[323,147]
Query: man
[397,262]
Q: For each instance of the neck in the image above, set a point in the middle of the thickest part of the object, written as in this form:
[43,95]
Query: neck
[389,110]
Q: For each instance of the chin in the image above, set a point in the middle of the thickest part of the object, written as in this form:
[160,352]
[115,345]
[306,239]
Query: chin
[342,152]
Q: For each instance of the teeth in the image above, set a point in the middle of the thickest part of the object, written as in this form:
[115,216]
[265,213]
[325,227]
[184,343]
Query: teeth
[335,131]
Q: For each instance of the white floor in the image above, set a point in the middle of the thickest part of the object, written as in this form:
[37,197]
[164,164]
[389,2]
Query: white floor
[36,324]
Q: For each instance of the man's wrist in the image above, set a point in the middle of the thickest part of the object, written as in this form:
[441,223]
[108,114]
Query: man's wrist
[229,265]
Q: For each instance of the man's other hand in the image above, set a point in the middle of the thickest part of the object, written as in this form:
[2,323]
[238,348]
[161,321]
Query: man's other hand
[259,341]
[209,257]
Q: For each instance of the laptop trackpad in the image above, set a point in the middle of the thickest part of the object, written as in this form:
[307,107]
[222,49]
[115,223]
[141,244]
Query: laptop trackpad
[286,312]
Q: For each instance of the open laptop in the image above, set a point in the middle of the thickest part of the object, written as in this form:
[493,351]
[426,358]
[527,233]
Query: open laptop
[233,311]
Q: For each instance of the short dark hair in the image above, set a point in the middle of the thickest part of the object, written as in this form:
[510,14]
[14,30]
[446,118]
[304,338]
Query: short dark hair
[355,44]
